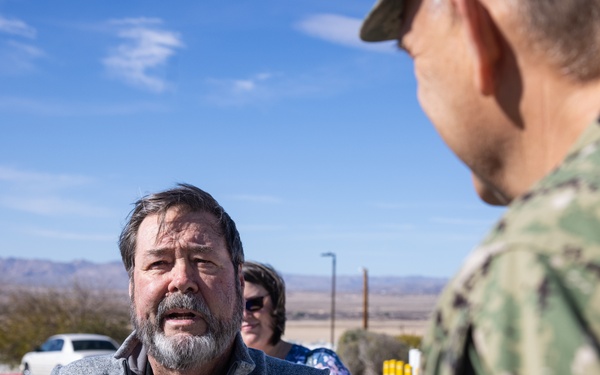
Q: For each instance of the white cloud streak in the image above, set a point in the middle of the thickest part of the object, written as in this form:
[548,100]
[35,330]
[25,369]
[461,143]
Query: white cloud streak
[340,30]
[258,228]
[264,88]
[460,221]
[146,47]
[426,205]
[40,194]
[53,206]
[17,27]
[54,107]
[70,235]
[17,57]
[26,50]
[46,180]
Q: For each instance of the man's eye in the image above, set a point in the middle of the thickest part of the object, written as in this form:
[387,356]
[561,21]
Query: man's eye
[159,264]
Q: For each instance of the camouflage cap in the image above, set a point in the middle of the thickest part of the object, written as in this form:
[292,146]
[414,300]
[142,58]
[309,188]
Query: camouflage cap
[383,22]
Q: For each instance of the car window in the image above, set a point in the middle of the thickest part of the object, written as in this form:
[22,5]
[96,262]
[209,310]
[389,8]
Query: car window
[79,345]
[54,345]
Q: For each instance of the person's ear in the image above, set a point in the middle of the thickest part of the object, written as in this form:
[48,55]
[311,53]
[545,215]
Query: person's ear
[130,287]
[484,40]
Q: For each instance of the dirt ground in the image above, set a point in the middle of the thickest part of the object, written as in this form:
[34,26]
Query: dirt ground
[309,315]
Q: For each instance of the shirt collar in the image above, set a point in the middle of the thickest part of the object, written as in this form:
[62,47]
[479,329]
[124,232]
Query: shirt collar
[136,355]
[589,138]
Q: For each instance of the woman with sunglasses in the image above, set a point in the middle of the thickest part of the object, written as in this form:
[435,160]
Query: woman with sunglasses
[264,321]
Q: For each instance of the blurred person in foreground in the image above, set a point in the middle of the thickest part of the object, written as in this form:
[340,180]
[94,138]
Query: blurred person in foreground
[513,88]
[184,258]
[264,319]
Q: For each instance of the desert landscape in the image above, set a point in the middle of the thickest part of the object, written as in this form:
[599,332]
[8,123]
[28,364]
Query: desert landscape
[397,305]
[309,316]
[309,323]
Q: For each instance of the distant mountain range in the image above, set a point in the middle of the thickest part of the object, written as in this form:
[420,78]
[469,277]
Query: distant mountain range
[35,272]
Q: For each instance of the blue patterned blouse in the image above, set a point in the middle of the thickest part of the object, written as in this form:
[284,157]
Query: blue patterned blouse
[319,358]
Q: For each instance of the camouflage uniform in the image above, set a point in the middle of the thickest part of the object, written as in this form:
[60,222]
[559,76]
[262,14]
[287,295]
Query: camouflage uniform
[527,301]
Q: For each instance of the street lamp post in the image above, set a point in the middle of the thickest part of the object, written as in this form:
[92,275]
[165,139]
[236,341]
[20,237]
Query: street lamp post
[365,299]
[332,255]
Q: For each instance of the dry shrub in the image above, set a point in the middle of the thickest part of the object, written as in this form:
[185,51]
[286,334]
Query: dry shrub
[363,352]
[29,316]
[413,341]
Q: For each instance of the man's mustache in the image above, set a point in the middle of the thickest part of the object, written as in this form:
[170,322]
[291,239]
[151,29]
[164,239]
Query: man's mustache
[183,301]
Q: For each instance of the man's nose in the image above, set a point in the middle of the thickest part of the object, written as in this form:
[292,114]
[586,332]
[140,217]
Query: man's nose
[185,278]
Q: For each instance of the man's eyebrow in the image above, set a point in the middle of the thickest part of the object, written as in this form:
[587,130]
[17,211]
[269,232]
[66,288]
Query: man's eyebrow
[195,249]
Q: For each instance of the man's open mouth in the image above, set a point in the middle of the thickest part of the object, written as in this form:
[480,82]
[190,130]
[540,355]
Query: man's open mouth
[181,315]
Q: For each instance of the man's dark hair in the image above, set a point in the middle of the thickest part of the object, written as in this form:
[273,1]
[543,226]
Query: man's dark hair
[266,276]
[190,199]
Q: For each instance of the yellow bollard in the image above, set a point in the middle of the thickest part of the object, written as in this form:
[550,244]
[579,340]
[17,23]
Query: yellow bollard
[399,367]
[392,367]
[386,368]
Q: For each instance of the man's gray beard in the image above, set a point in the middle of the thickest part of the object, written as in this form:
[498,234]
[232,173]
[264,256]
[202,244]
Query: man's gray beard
[187,352]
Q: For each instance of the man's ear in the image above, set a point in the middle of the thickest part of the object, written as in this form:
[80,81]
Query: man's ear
[130,287]
[484,40]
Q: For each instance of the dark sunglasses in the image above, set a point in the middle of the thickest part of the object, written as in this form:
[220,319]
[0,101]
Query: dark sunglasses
[255,304]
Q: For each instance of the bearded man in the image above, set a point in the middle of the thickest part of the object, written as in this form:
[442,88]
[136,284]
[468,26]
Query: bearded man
[183,255]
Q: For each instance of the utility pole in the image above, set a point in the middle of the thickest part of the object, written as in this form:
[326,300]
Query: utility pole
[332,255]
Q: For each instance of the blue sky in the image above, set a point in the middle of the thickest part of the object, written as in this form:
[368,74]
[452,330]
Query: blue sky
[312,140]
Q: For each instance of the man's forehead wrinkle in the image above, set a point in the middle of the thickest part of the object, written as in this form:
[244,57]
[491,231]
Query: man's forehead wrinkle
[157,251]
[181,237]
[177,211]
[161,218]
[179,224]
[200,249]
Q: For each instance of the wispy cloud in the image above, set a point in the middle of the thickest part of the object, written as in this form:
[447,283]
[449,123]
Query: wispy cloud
[26,50]
[43,193]
[340,30]
[241,91]
[53,206]
[17,57]
[16,27]
[47,180]
[70,235]
[270,87]
[426,205]
[461,221]
[386,235]
[261,228]
[146,47]
[399,226]
[251,84]
[56,107]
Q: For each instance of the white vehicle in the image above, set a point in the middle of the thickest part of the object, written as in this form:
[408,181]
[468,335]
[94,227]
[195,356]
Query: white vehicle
[63,349]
